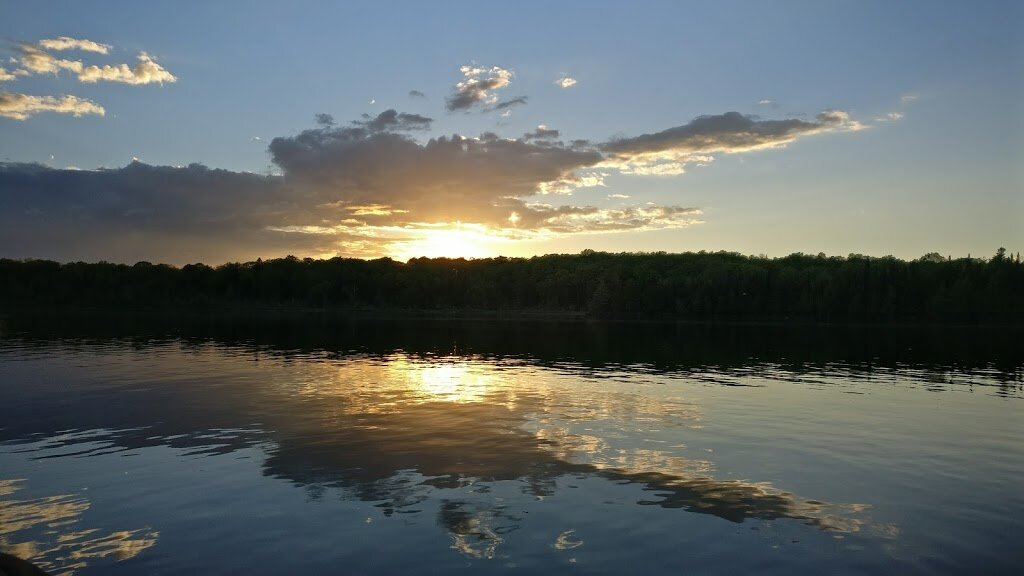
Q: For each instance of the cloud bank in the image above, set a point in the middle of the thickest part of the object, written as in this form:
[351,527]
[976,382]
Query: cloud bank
[366,188]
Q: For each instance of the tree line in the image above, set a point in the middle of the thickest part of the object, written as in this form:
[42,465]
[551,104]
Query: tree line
[701,286]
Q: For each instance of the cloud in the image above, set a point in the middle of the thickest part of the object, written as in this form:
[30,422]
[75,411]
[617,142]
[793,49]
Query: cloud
[565,82]
[669,151]
[22,106]
[477,87]
[503,105]
[908,98]
[66,43]
[146,71]
[393,120]
[365,188]
[486,182]
[447,179]
[38,61]
[890,117]
[5,75]
[143,212]
[416,94]
[541,133]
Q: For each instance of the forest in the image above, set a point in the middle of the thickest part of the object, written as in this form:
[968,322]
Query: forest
[694,286]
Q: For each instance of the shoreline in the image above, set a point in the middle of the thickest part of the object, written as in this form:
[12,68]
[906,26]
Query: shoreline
[307,313]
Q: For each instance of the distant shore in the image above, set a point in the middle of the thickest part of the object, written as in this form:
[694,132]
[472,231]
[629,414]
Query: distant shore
[719,287]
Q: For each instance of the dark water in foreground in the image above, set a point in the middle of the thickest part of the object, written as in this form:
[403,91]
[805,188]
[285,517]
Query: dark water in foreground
[329,447]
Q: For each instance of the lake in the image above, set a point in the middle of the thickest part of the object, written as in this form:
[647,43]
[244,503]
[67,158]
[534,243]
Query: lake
[340,446]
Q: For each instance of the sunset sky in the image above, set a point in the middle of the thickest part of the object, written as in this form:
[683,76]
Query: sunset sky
[224,131]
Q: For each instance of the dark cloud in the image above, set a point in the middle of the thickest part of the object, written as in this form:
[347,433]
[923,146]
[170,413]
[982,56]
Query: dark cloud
[510,103]
[729,132]
[447,179]
[416,94]
[143,212]
[668,151]
[477,87]
[324,119]
[541,133]
[392,120]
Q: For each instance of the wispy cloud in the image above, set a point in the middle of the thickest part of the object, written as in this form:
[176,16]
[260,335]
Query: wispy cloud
[506,104]
[477,87]
[38,61]
[6,76]
[669,151]
[66,43]
[22,106]
[416,94]
[565,82]
[35,59]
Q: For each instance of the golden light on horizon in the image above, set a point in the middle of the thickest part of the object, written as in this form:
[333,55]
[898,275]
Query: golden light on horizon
[458,241]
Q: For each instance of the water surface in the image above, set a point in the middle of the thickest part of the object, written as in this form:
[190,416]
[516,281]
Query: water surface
[382,447]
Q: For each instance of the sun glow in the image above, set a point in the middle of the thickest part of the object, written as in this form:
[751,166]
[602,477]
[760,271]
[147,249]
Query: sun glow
[457,242]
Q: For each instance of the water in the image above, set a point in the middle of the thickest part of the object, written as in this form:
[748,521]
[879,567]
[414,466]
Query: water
[384,447]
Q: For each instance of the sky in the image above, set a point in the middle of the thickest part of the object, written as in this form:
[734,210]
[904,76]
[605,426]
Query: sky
[229,131]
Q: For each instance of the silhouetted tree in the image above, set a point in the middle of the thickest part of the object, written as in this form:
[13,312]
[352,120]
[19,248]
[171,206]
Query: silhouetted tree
[695,286]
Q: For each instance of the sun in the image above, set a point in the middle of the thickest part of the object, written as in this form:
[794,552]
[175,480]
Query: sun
[459,241]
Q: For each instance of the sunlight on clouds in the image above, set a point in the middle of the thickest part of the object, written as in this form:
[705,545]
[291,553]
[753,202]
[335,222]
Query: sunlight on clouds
[146,71]
[66,43]
[374,210]
[39,62]
[23,106]
[478,86]
[565,82]
[574,181]
[35,60]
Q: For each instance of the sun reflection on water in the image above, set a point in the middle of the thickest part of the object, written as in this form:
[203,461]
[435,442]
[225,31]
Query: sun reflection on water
[446,381]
